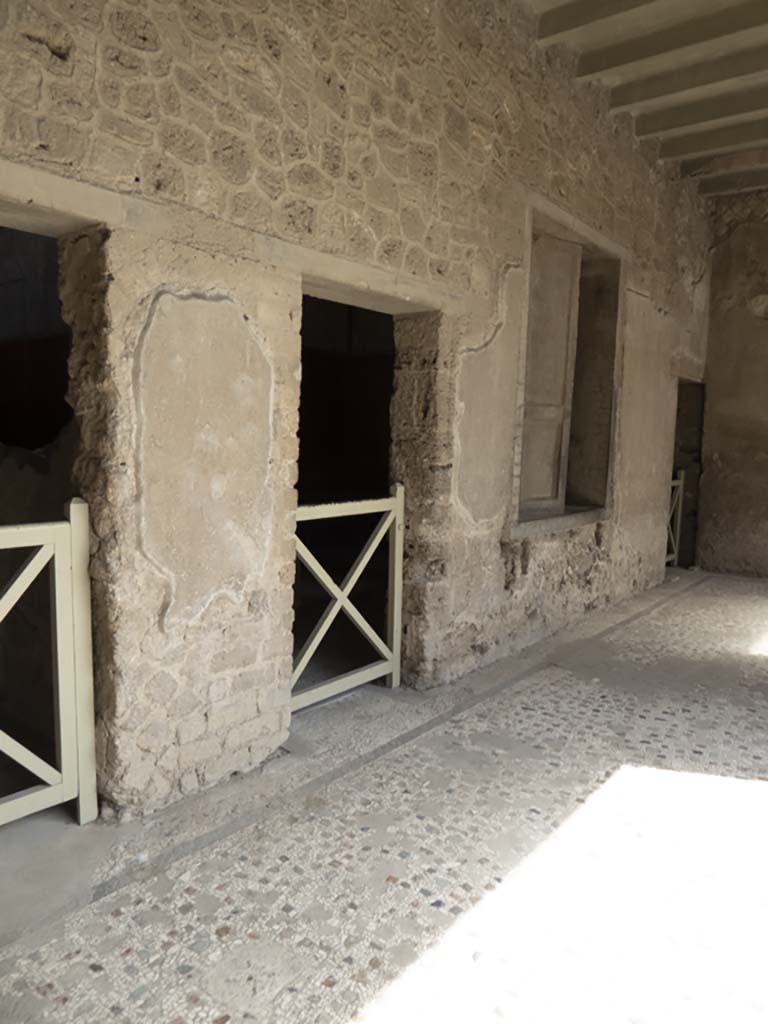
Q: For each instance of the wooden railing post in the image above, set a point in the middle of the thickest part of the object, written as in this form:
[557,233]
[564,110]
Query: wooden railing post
[87,802]
[395,588]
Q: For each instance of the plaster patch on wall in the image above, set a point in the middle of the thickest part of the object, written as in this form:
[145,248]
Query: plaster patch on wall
[203,446]
[485,440]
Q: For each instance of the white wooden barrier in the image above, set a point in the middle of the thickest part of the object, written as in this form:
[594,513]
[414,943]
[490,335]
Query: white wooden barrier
[64,546]
[392,512]
[675,521]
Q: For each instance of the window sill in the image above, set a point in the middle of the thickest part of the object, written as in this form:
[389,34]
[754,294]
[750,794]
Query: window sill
[547,525]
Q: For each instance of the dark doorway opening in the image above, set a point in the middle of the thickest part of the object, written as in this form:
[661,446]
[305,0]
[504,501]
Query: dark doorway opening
[348,359]
[34,342]
[38,435]
[38,440]
[688,447]
[347,368]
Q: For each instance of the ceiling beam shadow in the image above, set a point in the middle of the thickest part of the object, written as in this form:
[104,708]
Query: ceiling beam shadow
[725,163]
[716,108]
[731,184]
[707,28]
[719,71]
[561,22]
[715,140]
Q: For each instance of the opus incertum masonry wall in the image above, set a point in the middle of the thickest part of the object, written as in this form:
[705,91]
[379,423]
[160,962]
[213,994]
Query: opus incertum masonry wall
[204,165]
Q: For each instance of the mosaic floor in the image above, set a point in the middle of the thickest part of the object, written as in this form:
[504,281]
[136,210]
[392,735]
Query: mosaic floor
[581,841]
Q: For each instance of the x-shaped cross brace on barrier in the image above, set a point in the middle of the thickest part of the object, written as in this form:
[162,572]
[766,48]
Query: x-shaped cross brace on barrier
[340,597]
[9,598]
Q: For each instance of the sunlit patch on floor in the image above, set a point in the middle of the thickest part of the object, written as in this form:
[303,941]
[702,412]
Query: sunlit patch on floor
[647,905]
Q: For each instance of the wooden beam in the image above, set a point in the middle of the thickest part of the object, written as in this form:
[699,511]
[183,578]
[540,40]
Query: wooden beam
[730,184]
[715,140]
[715,72]
[725,163]
[561,22]
[707,28]
[716,108]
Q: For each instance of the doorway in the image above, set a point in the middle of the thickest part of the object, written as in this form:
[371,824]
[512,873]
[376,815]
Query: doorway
[347,374]
[346,511]
[38,442]
[687,466]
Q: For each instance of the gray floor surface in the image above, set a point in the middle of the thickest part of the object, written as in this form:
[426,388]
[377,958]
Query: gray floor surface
[576,834]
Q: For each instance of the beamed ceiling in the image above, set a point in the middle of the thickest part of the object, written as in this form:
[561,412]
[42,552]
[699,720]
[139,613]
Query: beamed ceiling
[693,73]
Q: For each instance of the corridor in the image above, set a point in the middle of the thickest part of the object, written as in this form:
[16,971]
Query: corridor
[575,834]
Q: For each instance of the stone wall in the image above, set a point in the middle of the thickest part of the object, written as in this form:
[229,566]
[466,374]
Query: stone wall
[188,463]
[267,146]
[733,530]
[389,133]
